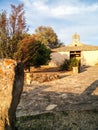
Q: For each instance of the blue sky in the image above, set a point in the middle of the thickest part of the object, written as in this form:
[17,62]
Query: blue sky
[66,17]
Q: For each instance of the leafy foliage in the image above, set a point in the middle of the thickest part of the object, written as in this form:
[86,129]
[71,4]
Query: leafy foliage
[3,34]
[47,36]
[17,20]
[32,53]
[12,30]
[23,47]
[65,65]
[68,64]
[74,62]
[38,54]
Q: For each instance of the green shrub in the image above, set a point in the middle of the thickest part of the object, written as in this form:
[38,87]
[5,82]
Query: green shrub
[68,64]
[74,62]
[65,65]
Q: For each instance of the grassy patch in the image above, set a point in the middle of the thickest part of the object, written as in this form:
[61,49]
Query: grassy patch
[69,120]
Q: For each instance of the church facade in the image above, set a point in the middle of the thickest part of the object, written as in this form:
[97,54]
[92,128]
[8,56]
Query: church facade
[87,54]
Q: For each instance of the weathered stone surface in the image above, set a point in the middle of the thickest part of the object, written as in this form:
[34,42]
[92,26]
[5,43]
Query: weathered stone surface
[11,86]
[75,70]
[40,77]
[50,107]
[73,92]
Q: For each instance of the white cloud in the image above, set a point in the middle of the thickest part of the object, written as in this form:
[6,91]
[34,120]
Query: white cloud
[57,10]
[74,16]
[64,10]
[91,8]
[40,6]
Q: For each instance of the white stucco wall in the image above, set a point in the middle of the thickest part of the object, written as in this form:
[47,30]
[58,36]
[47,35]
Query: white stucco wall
[57,58]
[89,58]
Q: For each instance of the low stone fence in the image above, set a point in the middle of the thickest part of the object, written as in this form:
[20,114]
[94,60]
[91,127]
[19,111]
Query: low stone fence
[40,77]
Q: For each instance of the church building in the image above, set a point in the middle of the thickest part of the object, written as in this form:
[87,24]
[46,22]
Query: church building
[87,54]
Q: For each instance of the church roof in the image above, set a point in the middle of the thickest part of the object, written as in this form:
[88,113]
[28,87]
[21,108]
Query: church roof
[76,45]
[76,48]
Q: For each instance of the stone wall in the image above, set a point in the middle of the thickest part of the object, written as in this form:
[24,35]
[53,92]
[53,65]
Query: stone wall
[11,85]
[40,77]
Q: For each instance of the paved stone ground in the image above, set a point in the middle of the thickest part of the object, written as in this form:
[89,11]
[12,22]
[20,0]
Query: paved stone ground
[74,92]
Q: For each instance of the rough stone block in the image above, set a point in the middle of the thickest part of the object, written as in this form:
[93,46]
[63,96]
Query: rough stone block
[11,86]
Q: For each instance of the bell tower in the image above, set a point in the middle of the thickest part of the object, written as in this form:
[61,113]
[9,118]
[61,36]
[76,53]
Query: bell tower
[76,38]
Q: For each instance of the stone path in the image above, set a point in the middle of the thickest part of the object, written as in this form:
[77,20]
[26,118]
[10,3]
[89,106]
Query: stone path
[74,92]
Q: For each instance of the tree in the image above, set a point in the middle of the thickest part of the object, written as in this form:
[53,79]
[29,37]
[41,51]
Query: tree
[23,47]
[12,30]
[3,34]
[47,36]
[32,53]
[17,20]
[17,28]
[38,55]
